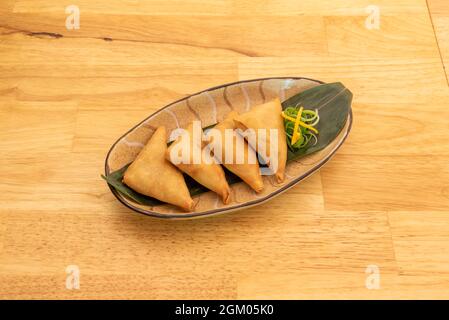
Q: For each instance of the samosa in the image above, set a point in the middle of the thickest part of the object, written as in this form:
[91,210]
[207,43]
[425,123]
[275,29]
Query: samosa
[243,163]
[188,155]
[152,175]
[265,117]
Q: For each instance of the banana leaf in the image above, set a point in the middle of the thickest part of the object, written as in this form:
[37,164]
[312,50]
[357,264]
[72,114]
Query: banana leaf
[114,179]
[333,102]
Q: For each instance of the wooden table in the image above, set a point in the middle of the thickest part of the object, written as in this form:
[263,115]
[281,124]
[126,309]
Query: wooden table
[381,205]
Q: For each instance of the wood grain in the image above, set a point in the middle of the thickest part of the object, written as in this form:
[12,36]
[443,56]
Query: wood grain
[66,95]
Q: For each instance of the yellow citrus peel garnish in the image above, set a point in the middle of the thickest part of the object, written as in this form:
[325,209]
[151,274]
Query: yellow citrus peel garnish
[305,125]
[295,128]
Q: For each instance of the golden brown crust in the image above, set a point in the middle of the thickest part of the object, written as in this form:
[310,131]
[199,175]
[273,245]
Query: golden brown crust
[152,175]
[248,172]
[210,175]
[267,116]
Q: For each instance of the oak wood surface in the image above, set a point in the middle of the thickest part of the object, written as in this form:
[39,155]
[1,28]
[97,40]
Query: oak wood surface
[67,95]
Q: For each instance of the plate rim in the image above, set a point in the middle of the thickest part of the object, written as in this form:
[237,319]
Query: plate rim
[248,204]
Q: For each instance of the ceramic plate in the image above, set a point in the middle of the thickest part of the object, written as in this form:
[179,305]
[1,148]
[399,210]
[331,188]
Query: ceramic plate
[211,106]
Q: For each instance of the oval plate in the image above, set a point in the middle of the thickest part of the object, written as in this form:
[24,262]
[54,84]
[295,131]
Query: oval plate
[211,106]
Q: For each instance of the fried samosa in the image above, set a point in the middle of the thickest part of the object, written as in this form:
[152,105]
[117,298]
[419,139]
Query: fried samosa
[187,153]
[267,116]
[242,163]
[152,175]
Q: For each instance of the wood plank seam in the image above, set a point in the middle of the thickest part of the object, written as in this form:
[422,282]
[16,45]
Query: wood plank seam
[436,40]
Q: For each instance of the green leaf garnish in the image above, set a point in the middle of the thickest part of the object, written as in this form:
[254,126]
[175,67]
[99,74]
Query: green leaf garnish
[332,101]
[305,131]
